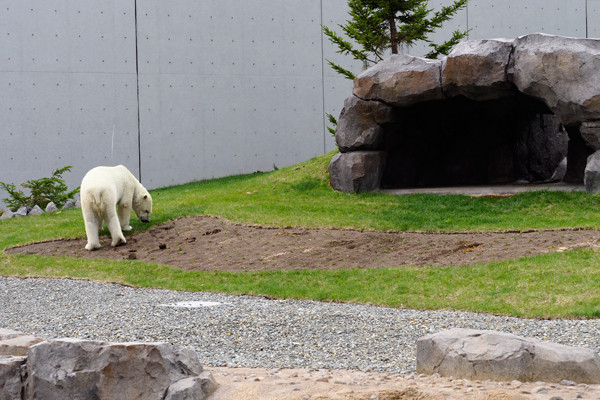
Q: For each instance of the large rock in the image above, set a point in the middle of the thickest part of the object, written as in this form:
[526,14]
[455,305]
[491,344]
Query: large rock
[51,207]
[477,69]
[590,133]
[401,80]
[12,374]
[541,146]
[22,211]
[516,98]
[357,171]
[14,343]
[186,389]
[7,214]
[359,124]
[592,173]
[36,210]
[80,369]
[562,72]
[481,355]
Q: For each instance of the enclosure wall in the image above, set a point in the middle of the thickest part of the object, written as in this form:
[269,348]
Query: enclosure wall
[187,90]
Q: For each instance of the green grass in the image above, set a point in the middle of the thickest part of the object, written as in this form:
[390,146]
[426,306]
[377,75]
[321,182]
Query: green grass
[547,286]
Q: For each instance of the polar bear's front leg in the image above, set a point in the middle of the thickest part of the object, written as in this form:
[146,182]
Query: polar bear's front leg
[124,214]
[114,227]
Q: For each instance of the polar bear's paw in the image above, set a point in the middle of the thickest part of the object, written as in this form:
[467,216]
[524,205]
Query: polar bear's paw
[118,241]
[127,228]
[92,246]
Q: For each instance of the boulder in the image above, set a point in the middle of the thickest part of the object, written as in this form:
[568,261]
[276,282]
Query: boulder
[590,132]
[359,124]
[591,177]
[356,171]
[542,145]
[69,204]
[401,80]
[82,369]
[51,207]
[36,210]
[22,211]
[186,389]
[477,69]
[490,355]
[562,72]
[492,111]
[7,214]
[12,375]
[14,343]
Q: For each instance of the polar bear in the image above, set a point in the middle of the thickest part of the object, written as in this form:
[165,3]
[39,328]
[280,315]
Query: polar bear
[102,190]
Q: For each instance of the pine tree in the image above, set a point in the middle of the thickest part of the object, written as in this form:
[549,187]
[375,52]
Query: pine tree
[382,26]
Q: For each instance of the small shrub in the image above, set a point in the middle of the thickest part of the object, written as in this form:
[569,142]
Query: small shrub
[42,191]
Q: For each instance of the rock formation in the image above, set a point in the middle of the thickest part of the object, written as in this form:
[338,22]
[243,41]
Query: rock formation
[87,370]
[480,355]
[492,111]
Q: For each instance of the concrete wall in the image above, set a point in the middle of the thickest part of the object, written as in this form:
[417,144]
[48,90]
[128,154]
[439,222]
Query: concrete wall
[188,90]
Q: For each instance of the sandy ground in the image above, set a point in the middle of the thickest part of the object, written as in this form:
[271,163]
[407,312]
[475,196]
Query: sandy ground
[302,384]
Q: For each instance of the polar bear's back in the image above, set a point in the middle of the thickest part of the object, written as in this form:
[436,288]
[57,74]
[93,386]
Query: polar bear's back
[103,176]
[108,182]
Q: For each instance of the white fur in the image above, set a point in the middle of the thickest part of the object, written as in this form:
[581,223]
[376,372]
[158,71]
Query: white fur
[102,190]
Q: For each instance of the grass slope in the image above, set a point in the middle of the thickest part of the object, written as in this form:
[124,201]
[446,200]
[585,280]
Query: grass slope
[555,285]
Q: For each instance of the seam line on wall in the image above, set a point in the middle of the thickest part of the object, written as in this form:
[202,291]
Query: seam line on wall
[587,32]
[323,81]
[137,87]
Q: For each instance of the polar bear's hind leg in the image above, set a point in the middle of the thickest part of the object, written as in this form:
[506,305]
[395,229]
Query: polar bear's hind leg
[91,230]
[93,223]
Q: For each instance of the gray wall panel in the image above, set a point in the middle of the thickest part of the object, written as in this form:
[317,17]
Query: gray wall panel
[256,77]
[593,18]
[67,71]
[506,18]
[53,121]
[226,87]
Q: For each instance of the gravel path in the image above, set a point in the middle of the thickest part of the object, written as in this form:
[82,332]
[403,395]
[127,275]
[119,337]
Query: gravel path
[244,331]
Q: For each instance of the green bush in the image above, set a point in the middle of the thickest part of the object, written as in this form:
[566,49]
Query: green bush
[42,191]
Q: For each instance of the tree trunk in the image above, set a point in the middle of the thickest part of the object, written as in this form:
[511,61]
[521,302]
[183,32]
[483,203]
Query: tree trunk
[393,35]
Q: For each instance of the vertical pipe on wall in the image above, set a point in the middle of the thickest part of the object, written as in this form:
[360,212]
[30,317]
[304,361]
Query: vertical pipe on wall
[587,33]
[137,82]
[323,81]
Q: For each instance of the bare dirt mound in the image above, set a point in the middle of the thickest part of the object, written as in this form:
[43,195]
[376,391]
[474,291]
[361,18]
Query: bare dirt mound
[213,244]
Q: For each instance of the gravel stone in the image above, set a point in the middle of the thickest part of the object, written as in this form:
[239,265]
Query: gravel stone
[247,331]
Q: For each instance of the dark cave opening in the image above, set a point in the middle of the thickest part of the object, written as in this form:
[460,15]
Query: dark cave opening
[459,142]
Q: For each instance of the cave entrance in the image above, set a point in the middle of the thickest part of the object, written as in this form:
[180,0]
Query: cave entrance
[460,142]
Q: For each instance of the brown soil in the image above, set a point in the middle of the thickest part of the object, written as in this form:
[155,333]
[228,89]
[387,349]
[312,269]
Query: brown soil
[213,244]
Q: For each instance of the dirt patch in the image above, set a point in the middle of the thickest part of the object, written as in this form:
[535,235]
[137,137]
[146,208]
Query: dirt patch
[208,243]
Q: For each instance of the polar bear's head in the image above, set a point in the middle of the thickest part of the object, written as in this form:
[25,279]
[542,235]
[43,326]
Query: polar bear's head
[142,206]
